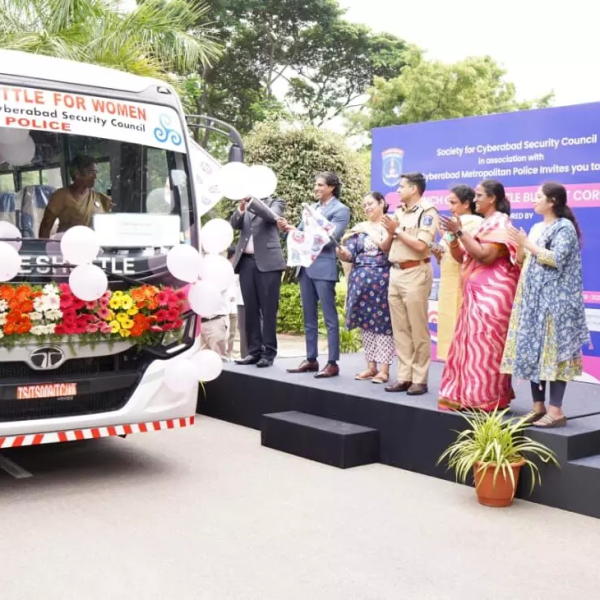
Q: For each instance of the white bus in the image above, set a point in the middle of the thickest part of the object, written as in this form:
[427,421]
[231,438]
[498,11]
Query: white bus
[72,385]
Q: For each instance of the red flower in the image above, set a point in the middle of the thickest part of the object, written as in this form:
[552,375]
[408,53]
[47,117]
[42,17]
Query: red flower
[69,314]
[163,298]
[60,329]
[78,304]
[162,315]
[66,302]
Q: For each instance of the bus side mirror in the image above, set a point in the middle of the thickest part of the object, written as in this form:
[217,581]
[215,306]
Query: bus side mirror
[236,154]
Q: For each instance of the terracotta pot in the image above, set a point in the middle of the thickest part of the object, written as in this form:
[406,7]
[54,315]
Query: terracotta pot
[500,494]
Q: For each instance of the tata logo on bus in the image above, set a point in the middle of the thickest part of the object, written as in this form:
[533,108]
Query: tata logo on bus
[50,357]
[391,166]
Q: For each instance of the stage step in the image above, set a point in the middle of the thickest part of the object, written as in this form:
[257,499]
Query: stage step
[327,441]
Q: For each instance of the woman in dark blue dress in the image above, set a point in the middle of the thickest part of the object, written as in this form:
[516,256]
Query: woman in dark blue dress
[367,300]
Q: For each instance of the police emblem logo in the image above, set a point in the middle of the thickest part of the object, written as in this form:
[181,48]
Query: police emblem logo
[427,220]
[392,159]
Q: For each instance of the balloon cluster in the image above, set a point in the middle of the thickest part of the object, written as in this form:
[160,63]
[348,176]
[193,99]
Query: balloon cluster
[16,146]
[210,274]
[238,181]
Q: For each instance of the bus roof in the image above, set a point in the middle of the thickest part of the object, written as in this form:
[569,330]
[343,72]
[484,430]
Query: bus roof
[38,66]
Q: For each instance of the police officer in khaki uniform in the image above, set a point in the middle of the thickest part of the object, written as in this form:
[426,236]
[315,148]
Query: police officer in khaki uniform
[410,233]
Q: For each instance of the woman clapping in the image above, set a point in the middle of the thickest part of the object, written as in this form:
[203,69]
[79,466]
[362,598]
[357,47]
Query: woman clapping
[548,325]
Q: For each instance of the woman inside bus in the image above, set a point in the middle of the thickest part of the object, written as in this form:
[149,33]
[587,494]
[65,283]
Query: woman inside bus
[78,203]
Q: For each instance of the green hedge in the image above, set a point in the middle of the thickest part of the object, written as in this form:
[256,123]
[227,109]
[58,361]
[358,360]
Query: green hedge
[291,320]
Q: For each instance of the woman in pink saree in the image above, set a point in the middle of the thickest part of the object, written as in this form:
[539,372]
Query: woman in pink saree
[490,274]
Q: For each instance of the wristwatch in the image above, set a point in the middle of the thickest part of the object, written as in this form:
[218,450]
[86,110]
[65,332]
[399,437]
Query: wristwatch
[459,233]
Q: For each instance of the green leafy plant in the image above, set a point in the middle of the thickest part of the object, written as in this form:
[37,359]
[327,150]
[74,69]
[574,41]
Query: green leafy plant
[493,441]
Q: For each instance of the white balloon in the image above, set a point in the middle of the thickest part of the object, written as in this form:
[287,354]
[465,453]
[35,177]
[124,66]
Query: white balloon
[10,262]
[204,298]
[263,181]
[53,247]
[13,135]
[234,181]
[88,282]
[217,270]
[19,154]
[216,236]
[8,230]
[183,262]
[178,177]
[79,245]
[207,364]
[159,201]
[180,375]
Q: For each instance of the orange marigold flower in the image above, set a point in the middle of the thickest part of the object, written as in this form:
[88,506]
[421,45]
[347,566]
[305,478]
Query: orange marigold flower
[27,306]
[24,327]
[7,292]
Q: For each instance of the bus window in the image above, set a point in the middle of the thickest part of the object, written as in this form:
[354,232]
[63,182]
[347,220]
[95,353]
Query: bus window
[52,177]
[103,180]
[158,190]
[30,178]
[7,183]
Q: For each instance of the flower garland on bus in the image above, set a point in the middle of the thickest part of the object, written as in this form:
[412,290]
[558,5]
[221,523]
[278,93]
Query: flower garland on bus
[52,311]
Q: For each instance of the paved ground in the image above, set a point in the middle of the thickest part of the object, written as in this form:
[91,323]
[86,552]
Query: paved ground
[206,513]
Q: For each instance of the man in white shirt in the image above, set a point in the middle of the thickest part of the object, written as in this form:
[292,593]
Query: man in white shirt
[214,330]
[237,315]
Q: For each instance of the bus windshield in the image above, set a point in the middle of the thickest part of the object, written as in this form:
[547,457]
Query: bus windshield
[120,168]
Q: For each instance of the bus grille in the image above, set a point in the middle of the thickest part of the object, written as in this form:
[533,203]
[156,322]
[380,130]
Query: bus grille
[19,373]
[129,360]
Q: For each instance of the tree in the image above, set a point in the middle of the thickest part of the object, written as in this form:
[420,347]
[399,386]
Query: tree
[301,46]
[431,91]
[297,155]
[336,63]
[154,39]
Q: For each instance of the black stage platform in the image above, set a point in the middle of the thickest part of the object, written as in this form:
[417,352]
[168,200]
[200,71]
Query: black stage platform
[412,431]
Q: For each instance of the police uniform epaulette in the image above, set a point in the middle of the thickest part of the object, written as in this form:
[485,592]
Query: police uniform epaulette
[426,205]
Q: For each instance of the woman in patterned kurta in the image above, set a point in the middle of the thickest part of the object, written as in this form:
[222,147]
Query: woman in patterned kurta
[367,301]
[548,325]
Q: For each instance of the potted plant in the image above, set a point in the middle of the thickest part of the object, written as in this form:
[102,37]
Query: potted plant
[495,450]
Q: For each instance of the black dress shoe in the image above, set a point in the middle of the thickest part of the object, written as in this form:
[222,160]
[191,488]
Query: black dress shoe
[264,362]
[249,360]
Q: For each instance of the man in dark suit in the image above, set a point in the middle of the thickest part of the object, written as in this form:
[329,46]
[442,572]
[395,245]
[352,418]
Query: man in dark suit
[259,261]
[317,282]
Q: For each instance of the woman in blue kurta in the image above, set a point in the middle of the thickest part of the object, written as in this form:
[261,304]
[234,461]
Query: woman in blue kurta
[367,300]
[548,325]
